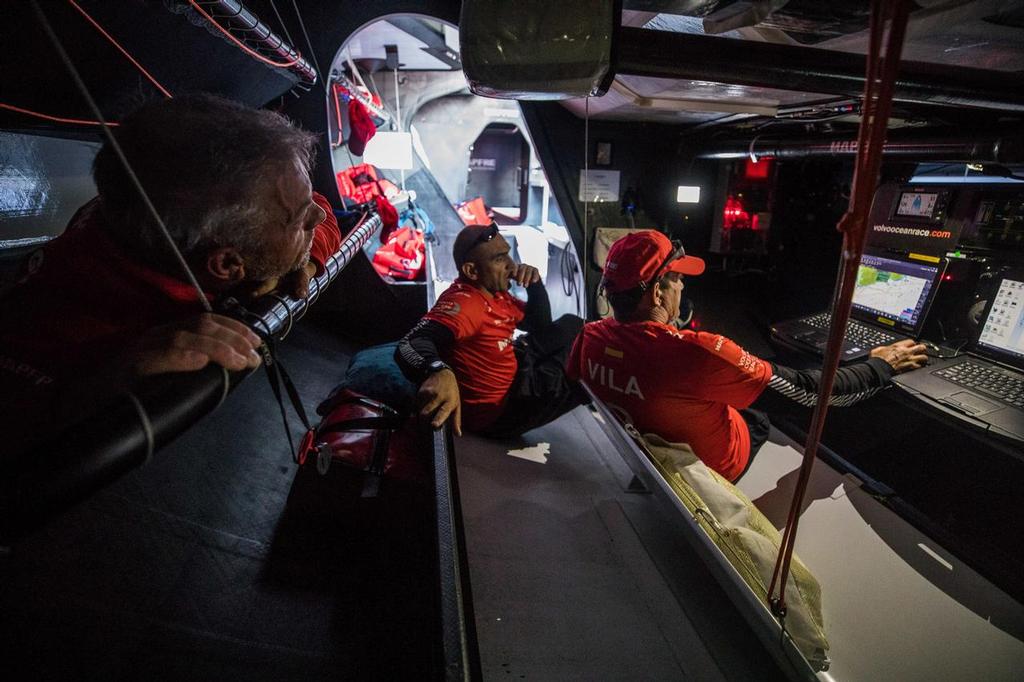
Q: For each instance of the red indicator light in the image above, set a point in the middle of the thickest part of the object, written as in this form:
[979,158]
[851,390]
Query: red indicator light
[735,215]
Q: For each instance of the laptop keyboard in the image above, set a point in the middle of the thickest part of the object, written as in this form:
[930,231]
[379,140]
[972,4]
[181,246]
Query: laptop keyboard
[1003,385]
[857,334]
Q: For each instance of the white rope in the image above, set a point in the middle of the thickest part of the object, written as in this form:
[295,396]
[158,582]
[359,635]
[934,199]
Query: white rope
[284,27]
[309,44]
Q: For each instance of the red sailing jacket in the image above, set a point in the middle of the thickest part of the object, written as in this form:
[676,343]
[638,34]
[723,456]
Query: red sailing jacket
[85,303]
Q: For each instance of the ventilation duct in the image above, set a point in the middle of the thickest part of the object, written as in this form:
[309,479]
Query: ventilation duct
[538,49]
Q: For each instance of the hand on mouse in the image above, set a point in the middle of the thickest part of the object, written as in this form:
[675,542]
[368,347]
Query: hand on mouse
[902,356]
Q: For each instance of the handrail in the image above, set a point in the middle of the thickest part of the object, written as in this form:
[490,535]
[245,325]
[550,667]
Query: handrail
[461,657]
[91,454]
[375,109]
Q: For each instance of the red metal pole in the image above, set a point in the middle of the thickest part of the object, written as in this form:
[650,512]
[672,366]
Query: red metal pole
[878,91]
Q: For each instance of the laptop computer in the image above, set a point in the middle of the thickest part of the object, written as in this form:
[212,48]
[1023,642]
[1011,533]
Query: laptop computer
[987,383]
[890,302]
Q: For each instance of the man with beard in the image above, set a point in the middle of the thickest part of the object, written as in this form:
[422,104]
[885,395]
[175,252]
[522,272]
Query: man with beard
[463,355]
[111,303]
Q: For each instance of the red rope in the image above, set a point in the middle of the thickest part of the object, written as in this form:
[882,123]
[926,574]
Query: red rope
[123,51]
[879,83]
[239,43]
[58,119]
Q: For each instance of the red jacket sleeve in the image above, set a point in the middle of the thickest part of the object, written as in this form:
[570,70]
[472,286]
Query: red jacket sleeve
[326,236]
[730,374]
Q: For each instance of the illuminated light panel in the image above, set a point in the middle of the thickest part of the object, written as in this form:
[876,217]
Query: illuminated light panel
[688,194]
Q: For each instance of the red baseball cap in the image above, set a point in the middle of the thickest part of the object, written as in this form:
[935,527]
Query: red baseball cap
[639,257]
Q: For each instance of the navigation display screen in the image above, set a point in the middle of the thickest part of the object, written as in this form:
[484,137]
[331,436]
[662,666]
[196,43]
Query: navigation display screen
[917,204]
[1004,326]
[894,289]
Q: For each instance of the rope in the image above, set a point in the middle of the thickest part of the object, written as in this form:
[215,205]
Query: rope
[123,51]
[878,90]
[309,44]
[41,16]
[58,119]
[284,27]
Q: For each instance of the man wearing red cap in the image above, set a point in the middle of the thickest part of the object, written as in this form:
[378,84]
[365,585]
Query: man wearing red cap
[697,387]
[463,356]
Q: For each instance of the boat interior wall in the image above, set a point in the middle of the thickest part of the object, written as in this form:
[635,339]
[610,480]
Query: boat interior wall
[644,155]
[447,147]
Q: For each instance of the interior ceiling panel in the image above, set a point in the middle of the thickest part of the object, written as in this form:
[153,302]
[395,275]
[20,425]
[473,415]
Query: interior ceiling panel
[412,54]
[634,112]
[985,34]
[722,93]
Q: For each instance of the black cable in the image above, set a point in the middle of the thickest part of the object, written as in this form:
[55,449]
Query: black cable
[569,268]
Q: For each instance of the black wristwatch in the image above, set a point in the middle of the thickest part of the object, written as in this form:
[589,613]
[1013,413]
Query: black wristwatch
[435,367]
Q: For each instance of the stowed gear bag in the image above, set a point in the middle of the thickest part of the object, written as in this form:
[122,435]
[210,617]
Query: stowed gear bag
[360,431]
[364,434]
[356,431]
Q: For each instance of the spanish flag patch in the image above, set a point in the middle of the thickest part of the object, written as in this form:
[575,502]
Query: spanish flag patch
[614,352]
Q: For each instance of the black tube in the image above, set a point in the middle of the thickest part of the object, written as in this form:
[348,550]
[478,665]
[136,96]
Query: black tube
[123,435]
[662,54]
[991,150]
[238,17]
[97,451]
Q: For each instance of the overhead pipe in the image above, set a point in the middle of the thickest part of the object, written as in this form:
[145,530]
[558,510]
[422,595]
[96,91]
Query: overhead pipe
[89,455]
[989,149]
[664,54]
[258,34]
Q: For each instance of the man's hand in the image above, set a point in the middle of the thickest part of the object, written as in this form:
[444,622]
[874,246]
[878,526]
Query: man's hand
[439,398]
[902,356]
[526,275]
[190,345]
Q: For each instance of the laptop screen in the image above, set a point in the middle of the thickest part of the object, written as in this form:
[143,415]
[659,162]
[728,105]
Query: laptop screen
[894,292]
[1004,327]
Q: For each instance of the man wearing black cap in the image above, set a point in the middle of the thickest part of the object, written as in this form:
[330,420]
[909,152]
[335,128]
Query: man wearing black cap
[696,387]
[463,356]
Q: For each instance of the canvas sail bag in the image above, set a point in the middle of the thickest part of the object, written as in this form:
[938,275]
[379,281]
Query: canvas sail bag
[745,537]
